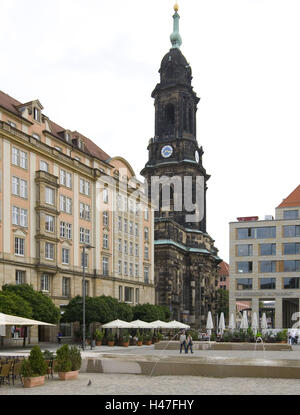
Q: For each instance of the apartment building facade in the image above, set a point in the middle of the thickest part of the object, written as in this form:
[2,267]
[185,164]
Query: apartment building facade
[60,191]
[265,263]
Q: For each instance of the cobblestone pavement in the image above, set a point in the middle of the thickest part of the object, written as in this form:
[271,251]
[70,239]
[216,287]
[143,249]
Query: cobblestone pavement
[103,384]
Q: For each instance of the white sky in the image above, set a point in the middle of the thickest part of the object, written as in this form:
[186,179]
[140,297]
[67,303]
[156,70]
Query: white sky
[93,65]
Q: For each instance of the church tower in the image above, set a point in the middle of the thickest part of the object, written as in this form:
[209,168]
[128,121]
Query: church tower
[186,260]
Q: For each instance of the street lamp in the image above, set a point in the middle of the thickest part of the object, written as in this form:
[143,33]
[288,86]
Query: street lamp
[83,293]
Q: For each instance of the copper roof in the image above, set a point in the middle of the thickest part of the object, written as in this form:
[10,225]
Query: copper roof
[90,147]
[292,200]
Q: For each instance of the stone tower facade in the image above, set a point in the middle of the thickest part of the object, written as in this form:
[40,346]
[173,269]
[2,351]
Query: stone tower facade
[186,261]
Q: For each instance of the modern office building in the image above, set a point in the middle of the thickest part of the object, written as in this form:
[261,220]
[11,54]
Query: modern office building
[265,263]
[58,192]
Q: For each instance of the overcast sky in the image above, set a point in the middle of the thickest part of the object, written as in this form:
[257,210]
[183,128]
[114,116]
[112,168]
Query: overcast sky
[93,65]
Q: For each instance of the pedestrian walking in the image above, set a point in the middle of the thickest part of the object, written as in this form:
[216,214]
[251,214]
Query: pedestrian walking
[183,342]
[189,344]
[59,336]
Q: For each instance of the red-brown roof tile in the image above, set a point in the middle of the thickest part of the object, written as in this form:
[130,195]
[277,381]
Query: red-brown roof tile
[292,200]
[224,268]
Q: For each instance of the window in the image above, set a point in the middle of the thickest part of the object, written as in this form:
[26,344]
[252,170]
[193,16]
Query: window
[136,226]
[85,211]
[146,214]
[291,283]
[105,195]
[19,246]
[136,270]
[291,266]
[66,287]
[45,282]
[146,252]
[131,228]
[267,249]
[66,178]
[58,148]
[245,233]
[266,232]
[290,214]
[19,158]
[244,267]
[291,248]
[44,166]
[49,196]
[120,293]
[268,266]
[105,218]
[86,260]
[130,248]
[146,234]
[20,277]
[244,284]
[120,245]
[267,283]
[291,231]
[36,136]
[125,268]
[84,187]
[65,256]
[65,230]
[36,114]
[19,216]
[49,223]
[105,266]
[128,295]
[120,267]
[131,270]
[125,225]
[137,296]
[49,250]
[146,275]
[19,187]
[136,250]
[105,241]
[125,247]
[244,250]
[120,223]
[12,124]
[84,235]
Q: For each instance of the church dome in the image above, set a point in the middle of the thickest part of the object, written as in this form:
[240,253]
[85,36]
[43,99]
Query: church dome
[175,68]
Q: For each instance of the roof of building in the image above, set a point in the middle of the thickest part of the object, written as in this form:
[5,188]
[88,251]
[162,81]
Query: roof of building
[292,200]
[90,147]
[224,268]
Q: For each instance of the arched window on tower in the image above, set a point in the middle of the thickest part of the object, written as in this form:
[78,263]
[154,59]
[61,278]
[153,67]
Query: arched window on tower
[169,118]
[191,121]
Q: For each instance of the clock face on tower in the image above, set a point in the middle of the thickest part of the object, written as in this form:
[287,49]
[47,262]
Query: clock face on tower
[197,156]
[166,151]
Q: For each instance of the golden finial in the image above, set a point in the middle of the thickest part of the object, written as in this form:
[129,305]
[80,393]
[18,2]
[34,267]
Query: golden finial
[176,7]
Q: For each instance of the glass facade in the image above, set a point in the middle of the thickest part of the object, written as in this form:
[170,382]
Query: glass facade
[291,214]
[291,282]
[290,231]
[291,248]
[267,283]
[257,233]
[244,250]
[267,249]
[244,267]
[291,266]
[244,284]
[268,266]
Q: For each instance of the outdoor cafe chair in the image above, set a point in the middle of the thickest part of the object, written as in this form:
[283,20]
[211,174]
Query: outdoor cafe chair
[16,371]
[5,374]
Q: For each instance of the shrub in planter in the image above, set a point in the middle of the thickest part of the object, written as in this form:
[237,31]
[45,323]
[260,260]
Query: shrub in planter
[125,339]
[75,357]
[34,368]
[282,336]
[99,334]
[140,338]
[110,339]
[148,339]
[63,363]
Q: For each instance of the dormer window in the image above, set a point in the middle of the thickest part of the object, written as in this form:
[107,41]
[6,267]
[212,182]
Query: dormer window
[36,114]
[36,136]
[68,137]
[12,124]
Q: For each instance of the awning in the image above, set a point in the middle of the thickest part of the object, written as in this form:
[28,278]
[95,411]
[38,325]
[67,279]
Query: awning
[118,324]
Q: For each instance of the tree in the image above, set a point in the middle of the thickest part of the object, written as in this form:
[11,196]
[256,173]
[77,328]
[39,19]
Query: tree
[43,308]
[11,303]
[222,302]
[150,312]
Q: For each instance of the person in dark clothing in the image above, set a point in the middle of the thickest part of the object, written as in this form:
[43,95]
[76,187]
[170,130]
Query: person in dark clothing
[189,343]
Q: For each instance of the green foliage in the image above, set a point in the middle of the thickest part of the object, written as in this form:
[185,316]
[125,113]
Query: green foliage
[139,336]
[26,370]
[125,336]
[48,355]
[110,337]
[159,336]
[75,357]
[43,308]
[222,302]
[35,365]
[213,337]
[194,334]
[150,312]
[227,336]
[63,361]
[282,336]
[13,304]
[99,334]
[147,337]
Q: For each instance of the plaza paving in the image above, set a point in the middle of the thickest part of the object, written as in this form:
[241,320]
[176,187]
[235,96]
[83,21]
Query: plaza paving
[124,384]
